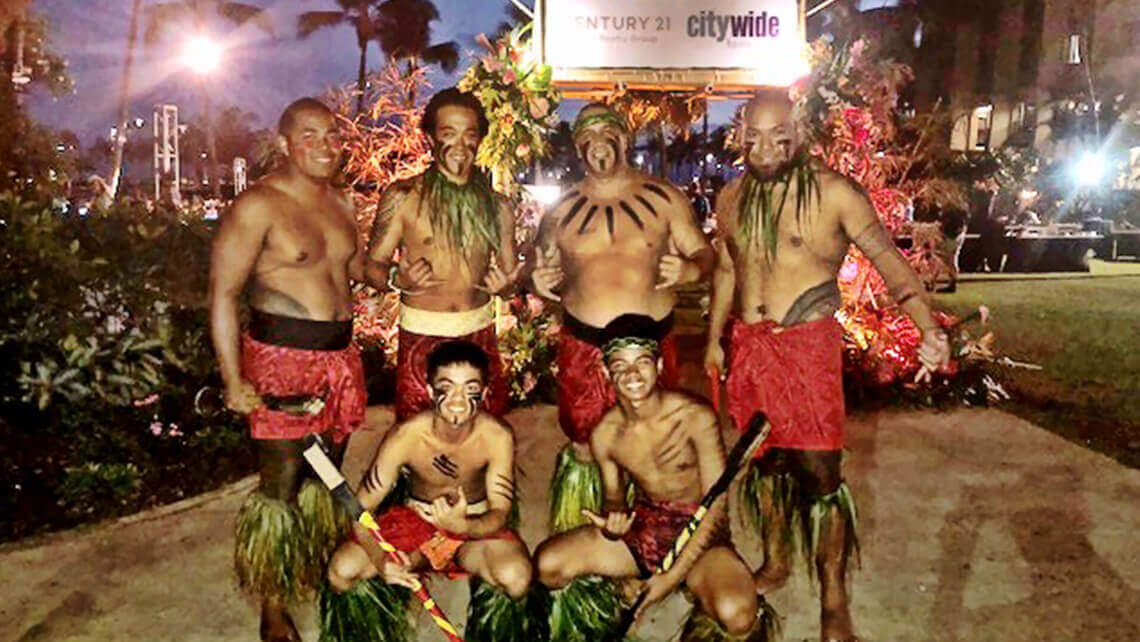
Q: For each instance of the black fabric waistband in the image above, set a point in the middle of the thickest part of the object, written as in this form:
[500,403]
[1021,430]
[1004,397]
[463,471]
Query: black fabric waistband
[305,334]
[597,336]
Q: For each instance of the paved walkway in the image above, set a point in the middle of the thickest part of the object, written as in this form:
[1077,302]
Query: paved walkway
[975,526]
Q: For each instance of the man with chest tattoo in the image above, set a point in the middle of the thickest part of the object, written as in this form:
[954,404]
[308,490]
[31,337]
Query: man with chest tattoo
[668,445]
[459,465]
[785,228]
[616,243]
[446,224]
[291,242]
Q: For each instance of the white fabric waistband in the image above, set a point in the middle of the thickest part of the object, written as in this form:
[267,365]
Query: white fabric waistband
[447,324]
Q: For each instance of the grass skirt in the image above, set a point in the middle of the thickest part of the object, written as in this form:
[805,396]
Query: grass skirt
[702,627]
[371,611]
[493,616]
[585,610]
[575,485]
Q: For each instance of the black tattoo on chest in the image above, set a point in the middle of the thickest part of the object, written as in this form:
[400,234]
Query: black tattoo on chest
[624,205]
[446,465]
[673,447]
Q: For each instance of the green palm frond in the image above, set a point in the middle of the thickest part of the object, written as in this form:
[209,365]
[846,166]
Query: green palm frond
[312,21]
[446,55]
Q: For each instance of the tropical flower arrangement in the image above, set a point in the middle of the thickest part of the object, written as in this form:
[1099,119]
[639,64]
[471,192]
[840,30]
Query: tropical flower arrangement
[528,339]
[520,103]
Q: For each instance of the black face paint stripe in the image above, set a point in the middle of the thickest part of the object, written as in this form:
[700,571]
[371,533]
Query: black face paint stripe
[586,221]
[610,220]
[574,209]
[648,206]
[565,197]
[633,215]
[658,191]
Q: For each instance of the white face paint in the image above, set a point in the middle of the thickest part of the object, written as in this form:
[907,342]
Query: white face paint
[457,391]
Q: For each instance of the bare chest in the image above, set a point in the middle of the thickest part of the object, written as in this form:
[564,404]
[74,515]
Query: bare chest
[662,450]
[302,238]
[592,227]
[440,465]
[437,236]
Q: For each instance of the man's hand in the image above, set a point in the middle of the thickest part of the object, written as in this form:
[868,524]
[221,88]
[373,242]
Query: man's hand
[656,589]
[614,525]
[674,270]
[416,276]
[714,360]
[497,281]
[451,517]
[242,398]
[398,572]
[547,276]
[934,353]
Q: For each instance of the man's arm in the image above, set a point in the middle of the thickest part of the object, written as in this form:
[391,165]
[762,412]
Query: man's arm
[503,274]
[500,480]
[601,447]
[686,236]
[236,248]
[382,475]
[543,274]
[861,224]
[384,238]
[704,435]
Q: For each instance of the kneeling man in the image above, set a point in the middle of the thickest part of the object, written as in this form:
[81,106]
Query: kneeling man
[459,462]
[667,444]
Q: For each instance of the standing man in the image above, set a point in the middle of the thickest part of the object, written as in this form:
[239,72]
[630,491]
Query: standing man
[617,243]
[785,227]
[447,224]
[668,445]
[291,242]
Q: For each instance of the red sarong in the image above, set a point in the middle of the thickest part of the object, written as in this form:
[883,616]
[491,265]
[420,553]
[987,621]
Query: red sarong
[411,371]
[655,528]
[795,375]
[584,391]
[409,532]
[337,376]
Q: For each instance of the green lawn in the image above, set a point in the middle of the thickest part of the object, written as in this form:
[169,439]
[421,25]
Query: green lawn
[1085,332]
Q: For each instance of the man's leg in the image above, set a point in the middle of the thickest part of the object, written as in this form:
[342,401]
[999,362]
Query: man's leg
[582,551]
[282,469]
[830,537]
[720,582]
[503,563]
[770,493]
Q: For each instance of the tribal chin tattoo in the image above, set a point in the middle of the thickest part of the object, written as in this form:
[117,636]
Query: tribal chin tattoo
[759,214]
[467,215]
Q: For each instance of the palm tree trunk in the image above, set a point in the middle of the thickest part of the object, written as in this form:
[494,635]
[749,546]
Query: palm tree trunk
[413,65]
[124,97]
[360,79]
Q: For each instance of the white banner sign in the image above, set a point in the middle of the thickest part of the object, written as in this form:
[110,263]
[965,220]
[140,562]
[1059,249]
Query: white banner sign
[757,35]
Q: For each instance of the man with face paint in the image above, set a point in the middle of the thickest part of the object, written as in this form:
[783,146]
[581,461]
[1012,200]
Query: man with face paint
[455,239]
[459,466]
[785,227]
[291,242]
[668,445]
[618,242]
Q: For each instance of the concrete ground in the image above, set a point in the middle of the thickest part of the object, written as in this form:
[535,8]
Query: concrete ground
[975,525]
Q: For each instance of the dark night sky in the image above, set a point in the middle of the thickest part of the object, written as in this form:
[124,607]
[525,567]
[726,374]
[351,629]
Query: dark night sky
[259,74]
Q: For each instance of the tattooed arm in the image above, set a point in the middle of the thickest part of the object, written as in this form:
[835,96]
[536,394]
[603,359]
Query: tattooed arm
[237,246]
[861,224]
[387,230]
[382,475]
[500,480]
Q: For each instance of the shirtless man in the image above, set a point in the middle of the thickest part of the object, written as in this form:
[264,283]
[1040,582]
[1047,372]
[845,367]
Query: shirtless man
[669,445]
[446,223]
[616,243]
[785,227]
[291,241]
[459,461]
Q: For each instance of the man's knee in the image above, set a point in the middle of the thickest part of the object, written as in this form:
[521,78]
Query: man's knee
[736,611]
[514,575]
[344,569]
[551,565]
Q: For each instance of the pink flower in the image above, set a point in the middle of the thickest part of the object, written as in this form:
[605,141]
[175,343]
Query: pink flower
[984,313]
[174,431]
[491,65]
[539,107]
[529,382]
[139,403]
[509,77]
[848,272]
[534,305]
[156,428]
[507,322]
[857,49]
[482,40]
[553,330]
[523,150]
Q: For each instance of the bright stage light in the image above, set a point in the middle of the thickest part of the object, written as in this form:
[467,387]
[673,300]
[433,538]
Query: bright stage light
[544,194]
[202,55]
[1089,170]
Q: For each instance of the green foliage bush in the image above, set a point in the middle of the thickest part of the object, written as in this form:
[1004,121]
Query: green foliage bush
[103,345]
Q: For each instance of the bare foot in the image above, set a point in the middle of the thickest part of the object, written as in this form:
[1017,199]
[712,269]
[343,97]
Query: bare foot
[770,578]
[835,625]
[277,626]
